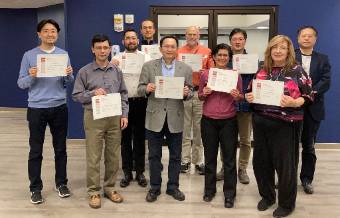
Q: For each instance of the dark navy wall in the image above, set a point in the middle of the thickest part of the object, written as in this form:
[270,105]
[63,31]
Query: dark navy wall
[18,34]
[84,18]
[55,12]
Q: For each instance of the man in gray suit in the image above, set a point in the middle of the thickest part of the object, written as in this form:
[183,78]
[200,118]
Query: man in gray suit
[164,118]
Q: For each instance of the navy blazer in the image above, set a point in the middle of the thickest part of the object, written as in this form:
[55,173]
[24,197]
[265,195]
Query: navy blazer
[320,73]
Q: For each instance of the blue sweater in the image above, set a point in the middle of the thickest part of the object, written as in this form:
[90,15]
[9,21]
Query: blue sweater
[43,92]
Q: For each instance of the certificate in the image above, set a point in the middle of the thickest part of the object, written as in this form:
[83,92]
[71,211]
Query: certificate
[131,83]
[132,63]
[246,63]
[222,80]
[268,92]
[51,65]
[193,60]
[106,105]
[152,51]
[169,87]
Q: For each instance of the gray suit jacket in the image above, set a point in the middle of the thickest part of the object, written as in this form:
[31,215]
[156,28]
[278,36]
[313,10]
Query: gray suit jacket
[159,108]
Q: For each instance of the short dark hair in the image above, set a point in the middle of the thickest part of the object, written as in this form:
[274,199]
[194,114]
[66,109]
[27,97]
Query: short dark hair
[130,30]
[100,38]
[307,27]
[42,23]
[237,30]
[168,37]
[221,46]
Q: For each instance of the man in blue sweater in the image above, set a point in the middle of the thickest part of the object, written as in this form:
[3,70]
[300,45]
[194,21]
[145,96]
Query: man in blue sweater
[46,106]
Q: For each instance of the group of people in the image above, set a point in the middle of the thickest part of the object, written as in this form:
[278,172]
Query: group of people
[194,127]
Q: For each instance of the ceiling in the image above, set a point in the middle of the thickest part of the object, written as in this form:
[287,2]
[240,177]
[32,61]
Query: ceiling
[28,3]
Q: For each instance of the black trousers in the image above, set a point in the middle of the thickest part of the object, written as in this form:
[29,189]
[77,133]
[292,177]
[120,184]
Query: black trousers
[222,132]
[133,137]
[38,118]
[155,142]
[309,131]
[276,149]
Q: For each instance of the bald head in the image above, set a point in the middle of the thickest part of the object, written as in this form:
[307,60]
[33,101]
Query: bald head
[192,36]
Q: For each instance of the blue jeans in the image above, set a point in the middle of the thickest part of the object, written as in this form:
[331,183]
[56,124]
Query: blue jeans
[155,142]
[38,118]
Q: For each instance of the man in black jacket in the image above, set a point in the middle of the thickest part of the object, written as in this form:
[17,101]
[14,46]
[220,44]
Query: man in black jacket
[318,68]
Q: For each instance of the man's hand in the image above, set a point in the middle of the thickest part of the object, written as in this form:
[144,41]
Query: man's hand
[33,71]
[150,88]
[123,122]
[69,70]
[100,91]
[185,91]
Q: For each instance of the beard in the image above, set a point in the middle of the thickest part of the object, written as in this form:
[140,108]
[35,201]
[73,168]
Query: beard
[131,48]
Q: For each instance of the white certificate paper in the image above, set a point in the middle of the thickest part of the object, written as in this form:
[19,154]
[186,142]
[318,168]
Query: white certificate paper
[169,87]
[246,63]
[193,60]
[131,83]
[51,65]
[132,63]
[222,80]
[152,51]
[106,105]
[268,92]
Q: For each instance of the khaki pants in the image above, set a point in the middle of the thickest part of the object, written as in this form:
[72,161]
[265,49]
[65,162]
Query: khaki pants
[244,130]
[105,130]
[192,119]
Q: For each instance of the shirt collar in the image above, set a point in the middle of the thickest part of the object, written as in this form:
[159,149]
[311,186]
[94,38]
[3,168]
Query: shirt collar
[95,66]
[166,65]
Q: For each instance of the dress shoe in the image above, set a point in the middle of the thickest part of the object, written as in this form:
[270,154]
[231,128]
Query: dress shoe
[177,194]
[208,197]
[141,180]
[229,202]
[282,212]
[243,176]
[152,195]
[95,201]
[308,188]
[264,204]
[126,180]
[114,197]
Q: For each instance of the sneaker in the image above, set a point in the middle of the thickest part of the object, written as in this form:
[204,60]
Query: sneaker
[220,175]
[200,169]
[243,176]
[308,188]
[36,197]
[176,194]
[185,167]
[63,191]
[152,195]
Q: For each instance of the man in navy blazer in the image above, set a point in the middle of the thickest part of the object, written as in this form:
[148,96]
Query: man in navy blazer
[318,67]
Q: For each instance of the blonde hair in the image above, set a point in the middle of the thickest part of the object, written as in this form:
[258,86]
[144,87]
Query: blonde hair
[290,60]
